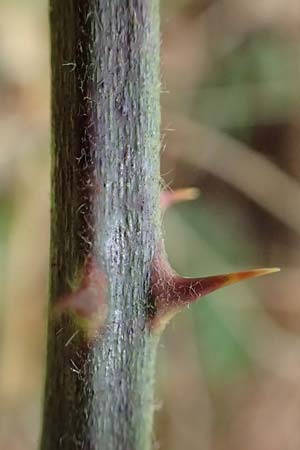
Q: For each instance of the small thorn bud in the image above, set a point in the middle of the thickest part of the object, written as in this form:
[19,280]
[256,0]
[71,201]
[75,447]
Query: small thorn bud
[87,302]
[168,198]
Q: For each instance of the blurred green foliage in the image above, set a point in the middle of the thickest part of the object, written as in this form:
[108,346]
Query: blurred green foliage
[252,84]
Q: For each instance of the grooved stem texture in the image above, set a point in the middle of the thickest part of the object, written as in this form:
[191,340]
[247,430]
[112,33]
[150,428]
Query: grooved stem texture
[105,206]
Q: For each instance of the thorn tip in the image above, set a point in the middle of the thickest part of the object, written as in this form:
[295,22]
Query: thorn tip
[168,198]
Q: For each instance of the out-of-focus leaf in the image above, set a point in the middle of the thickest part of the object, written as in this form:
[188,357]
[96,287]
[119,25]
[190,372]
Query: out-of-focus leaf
[254,84]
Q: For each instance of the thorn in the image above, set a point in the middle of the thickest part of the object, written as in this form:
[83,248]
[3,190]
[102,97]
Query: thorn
[192,288]
[169,198]
[172,292]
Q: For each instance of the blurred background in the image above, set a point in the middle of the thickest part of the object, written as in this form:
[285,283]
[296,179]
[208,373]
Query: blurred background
[229,366]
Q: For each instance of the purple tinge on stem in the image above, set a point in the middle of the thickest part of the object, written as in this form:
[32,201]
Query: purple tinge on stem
[88,302]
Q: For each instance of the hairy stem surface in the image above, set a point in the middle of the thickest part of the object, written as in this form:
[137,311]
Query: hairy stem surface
[105,209]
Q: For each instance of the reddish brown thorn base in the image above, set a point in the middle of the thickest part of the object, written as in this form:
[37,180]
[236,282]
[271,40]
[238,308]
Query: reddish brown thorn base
[172,292]
[87,303]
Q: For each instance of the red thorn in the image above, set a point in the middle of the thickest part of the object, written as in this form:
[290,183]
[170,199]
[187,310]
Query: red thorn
[168,198]
[172,292]
[190,289]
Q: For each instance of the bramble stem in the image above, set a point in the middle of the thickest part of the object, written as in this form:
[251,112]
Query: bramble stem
[105,208]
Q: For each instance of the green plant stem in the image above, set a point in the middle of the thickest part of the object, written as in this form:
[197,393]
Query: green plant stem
[105,205]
